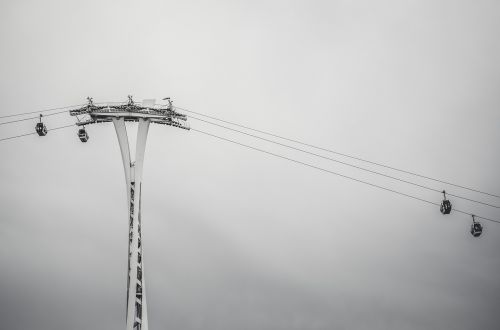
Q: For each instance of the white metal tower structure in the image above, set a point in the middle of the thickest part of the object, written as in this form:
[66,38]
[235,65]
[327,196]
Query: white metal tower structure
[148,112]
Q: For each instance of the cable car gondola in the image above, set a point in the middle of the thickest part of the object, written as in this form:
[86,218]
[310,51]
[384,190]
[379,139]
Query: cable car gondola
[445,205]
[476,229]
[82,134]
[40,128]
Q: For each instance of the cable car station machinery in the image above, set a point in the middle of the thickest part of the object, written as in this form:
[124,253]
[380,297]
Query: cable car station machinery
[144,114]
[130,111]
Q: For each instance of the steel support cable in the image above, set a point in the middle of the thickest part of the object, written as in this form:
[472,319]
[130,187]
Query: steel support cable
[345,163]
[332,172]
[42,111]
[17,136]
[288,139]
[15,121]
[30,118]
[26,134]
[294,161]
[343,154]
[477,216]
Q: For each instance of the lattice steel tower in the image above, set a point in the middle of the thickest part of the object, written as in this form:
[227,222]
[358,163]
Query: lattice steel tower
[148,112]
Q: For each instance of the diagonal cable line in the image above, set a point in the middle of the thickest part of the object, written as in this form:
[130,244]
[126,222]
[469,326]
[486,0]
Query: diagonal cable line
[61,127]
[17,136]
[41,111]
[298,149]
[343,154]
[345,163]
[298,162]
[332,172]
[18,120]
[56,113]
[26,134]
[477,216]
[30,118]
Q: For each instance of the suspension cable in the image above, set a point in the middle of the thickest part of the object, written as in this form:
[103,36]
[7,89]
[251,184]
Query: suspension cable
[294,141]
[41,111]
[297,162]
[345,163]
[332,172]
[26,134]
[343,154]
[30,118]
[15,121]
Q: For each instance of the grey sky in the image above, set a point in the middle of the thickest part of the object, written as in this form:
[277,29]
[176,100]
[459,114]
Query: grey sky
[235,239]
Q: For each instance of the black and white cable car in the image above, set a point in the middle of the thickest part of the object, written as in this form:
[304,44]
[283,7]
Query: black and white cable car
[82,134]
[445,205]
[476,229]
[40,127]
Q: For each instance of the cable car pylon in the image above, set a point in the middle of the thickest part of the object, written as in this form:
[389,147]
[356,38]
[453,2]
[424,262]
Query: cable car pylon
[136,317]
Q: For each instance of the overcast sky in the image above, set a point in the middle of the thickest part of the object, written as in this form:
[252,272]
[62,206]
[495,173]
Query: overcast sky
[233,238]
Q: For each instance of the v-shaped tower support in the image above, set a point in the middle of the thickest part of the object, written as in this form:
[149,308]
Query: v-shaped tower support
[148,112]
[137,317]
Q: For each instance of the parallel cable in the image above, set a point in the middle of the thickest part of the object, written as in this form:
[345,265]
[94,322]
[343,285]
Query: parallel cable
[42,111]
[26,134]
[332,172]
[288,146]
[343,154]
[297,162]
[30,118]
[345,163]
[17,136]
[15,121]
[477,216]
[56,113]
[61,127]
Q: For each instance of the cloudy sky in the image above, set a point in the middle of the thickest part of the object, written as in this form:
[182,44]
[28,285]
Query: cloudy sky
[233,238]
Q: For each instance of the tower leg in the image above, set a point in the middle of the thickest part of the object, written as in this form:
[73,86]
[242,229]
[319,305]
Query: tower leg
[136,298]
